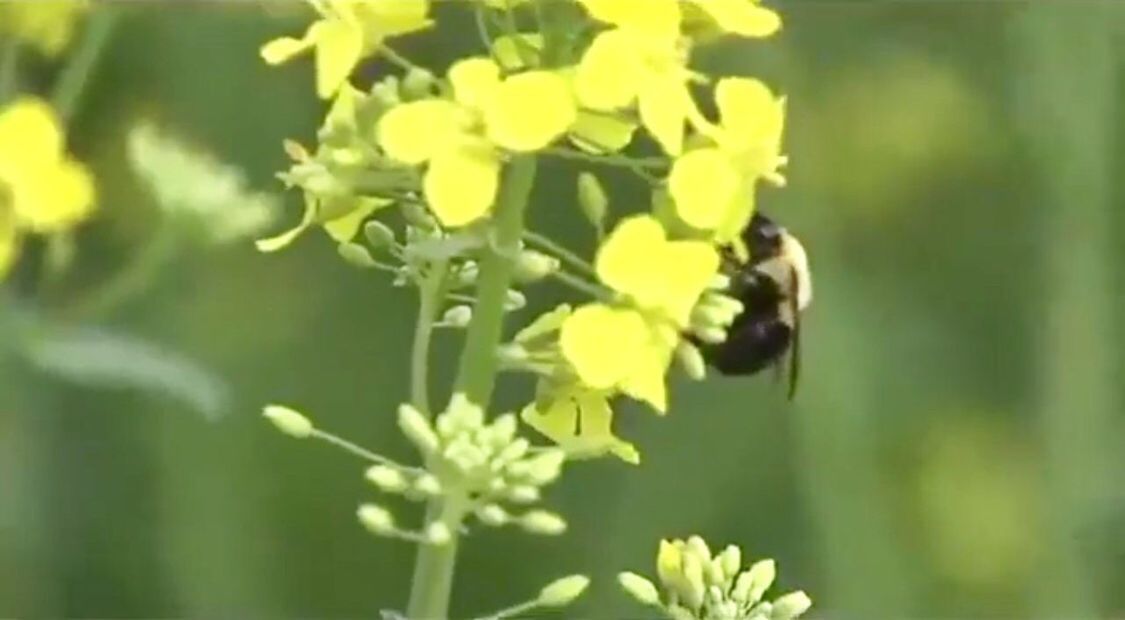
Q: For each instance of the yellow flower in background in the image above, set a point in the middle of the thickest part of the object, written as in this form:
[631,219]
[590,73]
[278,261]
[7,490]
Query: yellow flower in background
[42,190]
[662,280]
[745,18]
[347,31]
[712,187]
[580,422]
[48,26]
[741,17]
[460,140]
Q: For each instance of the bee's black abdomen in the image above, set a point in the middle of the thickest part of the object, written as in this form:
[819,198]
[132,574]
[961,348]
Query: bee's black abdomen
[750,347]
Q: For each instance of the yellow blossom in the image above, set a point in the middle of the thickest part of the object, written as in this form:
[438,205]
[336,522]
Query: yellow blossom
[579,421]
[741,17]
[461,139]
[347,31]
[42,189]
[712,186]
[48,26]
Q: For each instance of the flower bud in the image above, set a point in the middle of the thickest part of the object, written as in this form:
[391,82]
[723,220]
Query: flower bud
[457,316]
[522,494]
[532,266]
[545,467]
[639,588]
[467,274]
[356,255]
[730,560]
[417,83]
[428,485]
[753,583]
[592,199]
[465,413]
[417,429]
[493,514]
[388,479]
[514,450]
[692,360]
[288,421]
[378,234]
[543,522]
[376,519]
[438,534]
[698,546]
[711,335]
[502,431]
[676,612]
[691,587]
[514,300]
[563,591]
[790,606]
[669,561]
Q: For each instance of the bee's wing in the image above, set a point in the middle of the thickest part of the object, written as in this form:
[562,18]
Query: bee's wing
[795,340]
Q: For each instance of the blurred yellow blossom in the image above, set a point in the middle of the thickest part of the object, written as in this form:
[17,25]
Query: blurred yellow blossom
[460,139]
[47,26]
[347,31]
[741,17]
[42,190]
[579,421]
[712,186]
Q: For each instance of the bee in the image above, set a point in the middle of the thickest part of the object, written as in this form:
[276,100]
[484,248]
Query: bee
[775,287]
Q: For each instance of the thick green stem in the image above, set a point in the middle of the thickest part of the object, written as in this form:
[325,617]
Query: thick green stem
[429,293]
[433,569]
[71,84]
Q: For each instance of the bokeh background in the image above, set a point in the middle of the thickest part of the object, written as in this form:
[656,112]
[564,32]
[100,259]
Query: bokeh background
[955,449]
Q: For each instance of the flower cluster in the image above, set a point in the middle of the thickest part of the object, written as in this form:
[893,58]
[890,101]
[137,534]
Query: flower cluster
[43,190]
[694,584]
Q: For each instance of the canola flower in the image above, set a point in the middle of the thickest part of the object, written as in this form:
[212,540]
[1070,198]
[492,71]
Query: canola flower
[43,191]
[46,26]
[346,32]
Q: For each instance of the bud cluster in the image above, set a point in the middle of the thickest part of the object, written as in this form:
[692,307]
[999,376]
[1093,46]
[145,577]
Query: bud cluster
[696,585]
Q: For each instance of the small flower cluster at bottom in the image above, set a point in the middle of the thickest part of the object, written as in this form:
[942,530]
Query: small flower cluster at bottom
[696,585]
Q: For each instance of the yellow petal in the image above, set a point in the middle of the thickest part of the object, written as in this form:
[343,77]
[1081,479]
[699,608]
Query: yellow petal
[530,111]
[664,101]
[277,242]
[751,116]
[339,45]
[460,185]
[741,17]
[646,383]
[30,135]
[624,261]
[475,81]
[654,16]
[689,268]
[283,49]
[412,133]
[703,184]
[546,323]
[601,133]
[585,340]
[55,198]
[389,18]
[344,228]
[580,423]
[610,71]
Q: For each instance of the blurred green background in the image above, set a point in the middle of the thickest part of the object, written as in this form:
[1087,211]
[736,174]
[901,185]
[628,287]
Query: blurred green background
[955,450]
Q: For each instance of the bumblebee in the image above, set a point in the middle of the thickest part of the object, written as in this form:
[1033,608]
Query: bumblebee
[775,287]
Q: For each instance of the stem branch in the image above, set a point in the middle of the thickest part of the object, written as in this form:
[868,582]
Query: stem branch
[429,293]
[71,84]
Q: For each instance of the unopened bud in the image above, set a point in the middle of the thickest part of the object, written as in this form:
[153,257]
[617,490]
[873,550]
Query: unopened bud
[494,515]
[698,546]
[502,430]
[532,266]
[438,534]
[545,467]
[711,335]
[790,606]
[639,588]
[288,421]
[467,274]
[378,234]
[730,560]
[417,429]
[514,450]
[522,494]
[388,479]
[417,83]
[356,255]
[691,358]
[691,587]
[563,591]
[753,583]
[428,485]
[458,316]
[592,199]
[514,300]
[543,522]
[376,519]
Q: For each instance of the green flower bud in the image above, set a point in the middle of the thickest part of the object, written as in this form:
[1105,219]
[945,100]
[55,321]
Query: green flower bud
[512,354]
[639,588]
[376,519]
[467,274]
[438,534]
[388,479]
[418,216]
[457,316]
[417,429]
[532,266]
[676,612]
[417,83]
[378,234]
[698,546]
[385,91]
[562,592]
[464,455]
[592,199]
[719,282]
[465,414]
[790,606]
[288,421]
[514,300]
[514,450]
[522,494]
[427,485]
[730,560]
[545,467]
[543,522]
[692,360]
[690,585]
[753,583]
[356,255]
[502,431]
[711,335]
[493,514]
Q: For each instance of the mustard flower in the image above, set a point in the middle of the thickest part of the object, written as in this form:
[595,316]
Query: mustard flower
[347,31]
[461,139]
[579,420]
[712,186]
[42,189]
[661,281]
[46,26]
[741,17]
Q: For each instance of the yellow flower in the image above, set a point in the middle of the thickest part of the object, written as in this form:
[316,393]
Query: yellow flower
[46,25]
[712,186]
[42,190]
[460,139]
[662,280]
[579,421]
[741,17]
[347,31]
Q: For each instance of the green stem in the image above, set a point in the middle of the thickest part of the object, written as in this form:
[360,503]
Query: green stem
[357,450]
[655,163]
[72,83]
[133,278]
[430,294]
[9,70]
[566,255]
[582,286]
[433,569]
